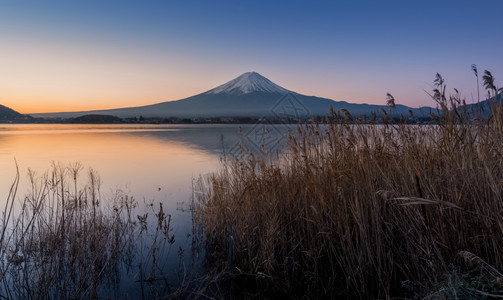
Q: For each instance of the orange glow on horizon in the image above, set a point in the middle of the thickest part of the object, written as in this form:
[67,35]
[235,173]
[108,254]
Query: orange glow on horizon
[40,107]
[49,104]
[79,77]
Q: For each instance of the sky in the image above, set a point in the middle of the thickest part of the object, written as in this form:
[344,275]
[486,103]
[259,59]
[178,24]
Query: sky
[67,55]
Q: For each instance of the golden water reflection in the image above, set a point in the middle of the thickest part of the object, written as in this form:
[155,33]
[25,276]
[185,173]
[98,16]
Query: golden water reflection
[155,163]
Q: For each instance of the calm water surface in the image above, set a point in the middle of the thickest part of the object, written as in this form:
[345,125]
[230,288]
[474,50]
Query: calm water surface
[152,163]
[149,162]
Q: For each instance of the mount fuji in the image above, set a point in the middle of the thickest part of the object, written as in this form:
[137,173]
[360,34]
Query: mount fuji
[249,95]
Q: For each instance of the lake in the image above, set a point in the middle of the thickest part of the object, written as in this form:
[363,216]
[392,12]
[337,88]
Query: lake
[152,163]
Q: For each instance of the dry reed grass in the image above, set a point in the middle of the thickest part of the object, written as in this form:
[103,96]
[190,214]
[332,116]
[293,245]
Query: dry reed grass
[62,243]
[361,211]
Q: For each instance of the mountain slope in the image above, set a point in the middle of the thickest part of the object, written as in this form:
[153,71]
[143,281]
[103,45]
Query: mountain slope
[483,108]
[10,115]
[249,95]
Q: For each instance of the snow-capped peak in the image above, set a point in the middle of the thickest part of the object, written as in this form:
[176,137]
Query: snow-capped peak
[247,83]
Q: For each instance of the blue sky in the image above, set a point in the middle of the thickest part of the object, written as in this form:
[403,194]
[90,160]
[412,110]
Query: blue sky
[74,55]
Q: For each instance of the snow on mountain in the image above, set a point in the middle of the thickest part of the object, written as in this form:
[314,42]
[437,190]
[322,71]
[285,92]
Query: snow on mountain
[247,83]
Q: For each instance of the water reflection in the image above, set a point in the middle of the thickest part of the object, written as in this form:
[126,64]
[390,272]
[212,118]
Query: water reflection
[153,163]
[140,158]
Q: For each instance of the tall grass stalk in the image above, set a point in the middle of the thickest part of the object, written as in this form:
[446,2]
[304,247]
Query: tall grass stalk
[63,241]
[60,244]
[358,210]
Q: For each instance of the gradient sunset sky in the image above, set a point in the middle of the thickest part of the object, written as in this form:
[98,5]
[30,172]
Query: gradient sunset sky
[97,54]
